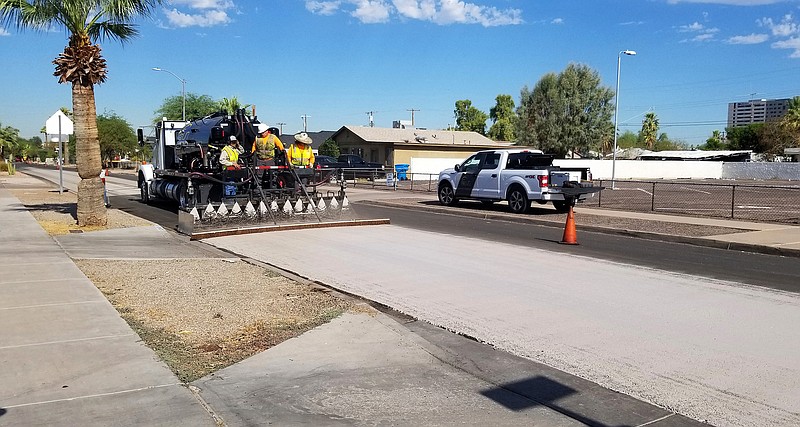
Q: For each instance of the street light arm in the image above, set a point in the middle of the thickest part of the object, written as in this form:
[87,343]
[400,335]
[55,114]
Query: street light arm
[183,88]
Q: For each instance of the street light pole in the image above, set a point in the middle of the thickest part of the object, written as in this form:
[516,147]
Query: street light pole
[616,114]
[183,88]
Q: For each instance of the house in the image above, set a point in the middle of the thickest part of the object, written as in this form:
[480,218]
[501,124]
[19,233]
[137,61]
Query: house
[425,151]
[317,139]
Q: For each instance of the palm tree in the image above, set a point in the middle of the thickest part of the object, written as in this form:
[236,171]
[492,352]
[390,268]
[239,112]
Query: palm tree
[650,129]
[8,140]
[81,64]
[791,120]
[230,105]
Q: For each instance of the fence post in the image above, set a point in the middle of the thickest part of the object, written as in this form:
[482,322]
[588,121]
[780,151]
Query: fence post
[429,183]
[412,180]
[733,199]
[600,196]
[653,199]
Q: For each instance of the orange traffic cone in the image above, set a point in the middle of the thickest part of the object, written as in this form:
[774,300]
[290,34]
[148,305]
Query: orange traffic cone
[570,234]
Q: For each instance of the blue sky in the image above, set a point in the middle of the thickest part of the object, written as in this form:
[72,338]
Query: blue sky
[334,61]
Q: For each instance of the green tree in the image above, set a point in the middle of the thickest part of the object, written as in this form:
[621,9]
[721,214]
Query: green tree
[329,148]
[197,106]
[116,136]
[744,137]
[790,122]
[649,131]
[82,66]
[773,138]
[664,143]
[714,142]
[8,140]
[627,140]
[230,105]
[570,111]
[469,118]
[504,119]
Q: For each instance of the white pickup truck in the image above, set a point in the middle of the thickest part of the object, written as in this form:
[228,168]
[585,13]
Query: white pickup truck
[517,175]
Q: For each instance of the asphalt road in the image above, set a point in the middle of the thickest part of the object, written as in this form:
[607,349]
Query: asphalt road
[769,271]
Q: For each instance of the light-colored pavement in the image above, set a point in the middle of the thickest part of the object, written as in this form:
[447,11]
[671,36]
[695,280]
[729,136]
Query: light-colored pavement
[727,357]
[713,350]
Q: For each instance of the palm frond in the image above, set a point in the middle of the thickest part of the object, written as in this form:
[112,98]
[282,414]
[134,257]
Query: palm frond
[107,30]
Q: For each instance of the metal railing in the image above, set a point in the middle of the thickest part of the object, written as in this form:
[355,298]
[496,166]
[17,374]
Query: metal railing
[756,202]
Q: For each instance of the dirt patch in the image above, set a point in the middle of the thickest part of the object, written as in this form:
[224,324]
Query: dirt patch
[198,315]
[203,315]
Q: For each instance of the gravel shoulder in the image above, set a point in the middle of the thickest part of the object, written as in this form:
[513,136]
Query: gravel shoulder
[198,315]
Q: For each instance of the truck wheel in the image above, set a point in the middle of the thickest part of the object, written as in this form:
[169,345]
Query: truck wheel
[518,201]
[561,205]
[184,201]
[144,192]
[447,196]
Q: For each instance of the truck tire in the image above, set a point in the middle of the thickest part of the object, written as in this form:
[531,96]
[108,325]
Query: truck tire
[561,205]
[447,196]
[144,192]
[518,201]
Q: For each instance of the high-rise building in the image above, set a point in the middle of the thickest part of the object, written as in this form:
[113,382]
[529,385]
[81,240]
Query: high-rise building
[756,111]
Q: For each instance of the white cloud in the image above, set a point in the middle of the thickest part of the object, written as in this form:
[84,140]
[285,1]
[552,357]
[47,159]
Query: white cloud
[206,13]
[205,4]
[323,7]
[703,34]
[729,2]
[696,26]
[792,43]
[442,12]
[751,39]
[371,11]
[557,21]
[4,32]
[208,18]
[787,27]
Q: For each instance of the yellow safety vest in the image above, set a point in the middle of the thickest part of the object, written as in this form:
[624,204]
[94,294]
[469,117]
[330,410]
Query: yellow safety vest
[265,147]
[233,155]
[300,157]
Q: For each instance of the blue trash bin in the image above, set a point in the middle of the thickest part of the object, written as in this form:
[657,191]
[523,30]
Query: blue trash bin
[401,170]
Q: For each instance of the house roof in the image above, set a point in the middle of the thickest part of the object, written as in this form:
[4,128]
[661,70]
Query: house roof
[317,138]
[739,155]
[420,136]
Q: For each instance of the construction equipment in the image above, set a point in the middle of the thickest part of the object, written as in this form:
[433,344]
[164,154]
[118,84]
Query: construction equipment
[217,200]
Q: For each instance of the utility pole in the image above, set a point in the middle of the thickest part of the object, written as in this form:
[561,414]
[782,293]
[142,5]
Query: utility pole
[371,118]
[412,115]
[305,118]
[280,125]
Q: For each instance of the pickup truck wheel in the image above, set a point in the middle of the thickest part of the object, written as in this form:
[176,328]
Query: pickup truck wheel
[561,205]
[447,196]
[518,201]
[144,192]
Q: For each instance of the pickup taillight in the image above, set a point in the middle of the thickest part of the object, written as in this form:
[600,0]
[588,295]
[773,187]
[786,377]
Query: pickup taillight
[544,181]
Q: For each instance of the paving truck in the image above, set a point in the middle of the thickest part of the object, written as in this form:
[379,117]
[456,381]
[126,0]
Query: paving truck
[185,169]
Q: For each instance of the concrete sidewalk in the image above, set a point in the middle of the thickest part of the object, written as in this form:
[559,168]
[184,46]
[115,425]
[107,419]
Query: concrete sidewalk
[68,358]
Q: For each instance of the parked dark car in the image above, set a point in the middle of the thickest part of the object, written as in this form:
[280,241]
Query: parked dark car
[352,165]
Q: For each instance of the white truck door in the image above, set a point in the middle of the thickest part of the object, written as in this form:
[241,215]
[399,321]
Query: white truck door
[488,181]
[468,174]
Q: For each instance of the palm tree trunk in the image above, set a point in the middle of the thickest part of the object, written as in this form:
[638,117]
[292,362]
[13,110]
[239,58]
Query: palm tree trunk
[91,207]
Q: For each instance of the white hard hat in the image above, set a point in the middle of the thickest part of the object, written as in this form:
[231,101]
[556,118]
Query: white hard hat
[232,138]
[262,127]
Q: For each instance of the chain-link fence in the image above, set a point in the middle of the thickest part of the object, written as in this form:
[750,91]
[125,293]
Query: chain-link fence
[758,202]
[771,202]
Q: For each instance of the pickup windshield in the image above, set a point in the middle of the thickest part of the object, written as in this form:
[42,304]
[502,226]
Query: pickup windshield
[529,161]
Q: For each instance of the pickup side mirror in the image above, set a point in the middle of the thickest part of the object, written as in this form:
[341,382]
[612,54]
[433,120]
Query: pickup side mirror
[457,167]
[140,137]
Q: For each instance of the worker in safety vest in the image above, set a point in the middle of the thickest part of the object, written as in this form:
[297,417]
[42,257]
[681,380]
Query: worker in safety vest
[265,145]
[230,154]
[300,153]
